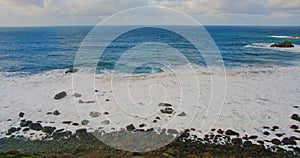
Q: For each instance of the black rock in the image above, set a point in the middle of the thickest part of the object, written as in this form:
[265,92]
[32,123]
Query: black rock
[142,125]
[253,137]
[60,95]
[285,44]
[48,129]
[295,117]
[35,126]
[75,124]
[25,129]
[130,127]
[266,133]
[21,114]
[67,122]
[25,123]
[56,112]
[12,130]
[287,141]
[167,110]
[71,70]
[276,141]
[231,133]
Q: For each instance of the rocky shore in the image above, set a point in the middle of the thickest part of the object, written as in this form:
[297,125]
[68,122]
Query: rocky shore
[83,144]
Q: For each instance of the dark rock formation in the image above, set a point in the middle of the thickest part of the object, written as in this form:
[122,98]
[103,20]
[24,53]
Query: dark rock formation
[285,44]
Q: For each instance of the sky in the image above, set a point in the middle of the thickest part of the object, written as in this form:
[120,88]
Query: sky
[91,12]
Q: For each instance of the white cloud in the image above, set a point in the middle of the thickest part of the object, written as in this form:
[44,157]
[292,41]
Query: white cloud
[68,12]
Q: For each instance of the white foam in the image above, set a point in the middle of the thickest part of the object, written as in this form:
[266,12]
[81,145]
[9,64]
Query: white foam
[294,37]
[296,48]
[254,98]
[280,36]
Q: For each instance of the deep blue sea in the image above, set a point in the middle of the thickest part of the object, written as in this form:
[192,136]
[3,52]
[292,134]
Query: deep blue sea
[38,49]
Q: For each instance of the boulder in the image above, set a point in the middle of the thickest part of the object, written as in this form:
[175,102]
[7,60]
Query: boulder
[35,126]
[60,95]
[12,130]
[276,141]
[285,44]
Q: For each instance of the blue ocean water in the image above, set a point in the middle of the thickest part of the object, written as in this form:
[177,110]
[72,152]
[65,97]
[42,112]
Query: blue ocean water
[38,49]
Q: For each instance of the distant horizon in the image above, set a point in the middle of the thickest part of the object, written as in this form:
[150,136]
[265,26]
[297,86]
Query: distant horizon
[91,25]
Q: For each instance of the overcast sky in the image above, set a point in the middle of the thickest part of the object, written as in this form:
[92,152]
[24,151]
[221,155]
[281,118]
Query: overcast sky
[91,12]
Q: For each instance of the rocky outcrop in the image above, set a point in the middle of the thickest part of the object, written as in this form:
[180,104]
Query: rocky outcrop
[285,44]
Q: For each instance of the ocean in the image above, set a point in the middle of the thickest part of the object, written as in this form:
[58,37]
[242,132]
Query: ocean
[32,50]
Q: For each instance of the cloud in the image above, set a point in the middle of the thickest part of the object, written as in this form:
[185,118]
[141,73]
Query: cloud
[64,12]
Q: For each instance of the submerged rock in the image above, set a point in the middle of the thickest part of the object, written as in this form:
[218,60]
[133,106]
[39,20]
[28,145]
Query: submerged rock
[105,122]
[285,44]
[94,114]
[60,95]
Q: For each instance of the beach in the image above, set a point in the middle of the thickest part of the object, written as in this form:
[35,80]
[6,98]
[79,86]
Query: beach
[251,101]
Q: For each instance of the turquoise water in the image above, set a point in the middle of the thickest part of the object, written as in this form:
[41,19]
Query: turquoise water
[37,49]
